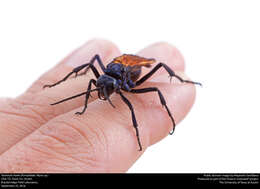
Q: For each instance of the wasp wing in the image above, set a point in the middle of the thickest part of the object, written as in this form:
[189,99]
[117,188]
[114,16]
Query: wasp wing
[134,60]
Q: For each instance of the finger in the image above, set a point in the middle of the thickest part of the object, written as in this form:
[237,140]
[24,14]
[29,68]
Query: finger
[103,139]
[24,114]
[106,49]
[166,53]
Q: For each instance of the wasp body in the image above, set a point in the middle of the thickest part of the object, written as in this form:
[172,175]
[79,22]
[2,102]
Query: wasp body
[122,74]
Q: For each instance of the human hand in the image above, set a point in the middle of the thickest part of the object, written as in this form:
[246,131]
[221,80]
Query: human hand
[37,137]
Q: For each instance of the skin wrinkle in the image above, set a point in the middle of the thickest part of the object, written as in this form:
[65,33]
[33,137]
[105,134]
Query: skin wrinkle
[49,151]
[12,130]
[24,159]
[52,136]
[61,156]
[102,139]
[99,134]
[17,114]
[162,116]
[122,118]
[92,131]
[17,163]
[86,162]
[38,109]
[24,126]
[49,161]
[70,126]
[17,109]
[10,102]
[108,138]
[55,167]
[93,161]
[42,117]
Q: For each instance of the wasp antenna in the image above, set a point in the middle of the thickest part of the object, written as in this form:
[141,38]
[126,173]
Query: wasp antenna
[66,99]
[75,96]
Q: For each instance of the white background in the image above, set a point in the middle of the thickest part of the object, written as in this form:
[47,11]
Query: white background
[220,41]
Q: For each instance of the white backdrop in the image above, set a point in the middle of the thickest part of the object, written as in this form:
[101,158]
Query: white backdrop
[220,41]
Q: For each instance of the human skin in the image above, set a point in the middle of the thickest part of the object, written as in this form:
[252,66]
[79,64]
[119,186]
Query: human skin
[37,137]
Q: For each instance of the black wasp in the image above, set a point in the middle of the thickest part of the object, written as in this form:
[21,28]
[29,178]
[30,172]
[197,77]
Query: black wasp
[122,74]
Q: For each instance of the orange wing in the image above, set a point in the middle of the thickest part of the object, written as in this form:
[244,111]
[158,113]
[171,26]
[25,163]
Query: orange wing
[134,60]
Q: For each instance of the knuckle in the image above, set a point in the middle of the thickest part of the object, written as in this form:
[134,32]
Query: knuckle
[14,107]
[77,142]
[33,108]
[36,107]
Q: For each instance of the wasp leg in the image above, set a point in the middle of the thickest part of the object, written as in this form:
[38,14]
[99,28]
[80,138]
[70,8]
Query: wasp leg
[81,67]
[170,72]
[133,118]
[163,102]
[93,69]
[87,96]
[100,63]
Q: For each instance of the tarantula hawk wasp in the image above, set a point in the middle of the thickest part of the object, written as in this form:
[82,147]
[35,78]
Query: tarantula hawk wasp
[121,74]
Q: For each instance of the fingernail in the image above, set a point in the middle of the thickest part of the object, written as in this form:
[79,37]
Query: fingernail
[106,49]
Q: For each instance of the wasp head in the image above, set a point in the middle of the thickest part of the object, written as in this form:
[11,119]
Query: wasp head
[107,85]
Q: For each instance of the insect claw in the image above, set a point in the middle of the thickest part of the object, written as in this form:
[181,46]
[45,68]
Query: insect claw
[171,132]
[170,78]
[111,103]
[44,86]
